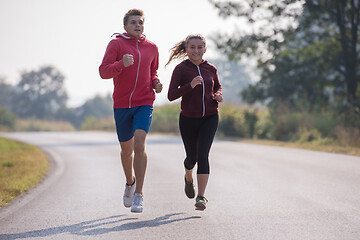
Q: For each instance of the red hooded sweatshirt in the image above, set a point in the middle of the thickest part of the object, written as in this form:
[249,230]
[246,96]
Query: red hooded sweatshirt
[196,102]
[133,85]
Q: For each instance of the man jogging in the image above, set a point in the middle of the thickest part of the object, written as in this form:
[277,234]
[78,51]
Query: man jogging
[132,62]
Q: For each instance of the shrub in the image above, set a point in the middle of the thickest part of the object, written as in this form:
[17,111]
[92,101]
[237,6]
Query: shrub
[166,118]
[7,119]
[347,136]
[42,125]
[251,120]
[231,122]
[101,124]
[304,135]
[285,125]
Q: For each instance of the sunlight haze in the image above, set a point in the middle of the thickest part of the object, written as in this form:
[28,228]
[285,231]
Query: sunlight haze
[72,36]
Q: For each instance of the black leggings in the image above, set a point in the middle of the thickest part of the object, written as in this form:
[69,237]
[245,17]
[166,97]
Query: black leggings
[198,135]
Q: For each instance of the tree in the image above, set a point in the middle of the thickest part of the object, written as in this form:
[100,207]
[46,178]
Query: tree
[97,108]
[40,93]
[302,74]
[283,38]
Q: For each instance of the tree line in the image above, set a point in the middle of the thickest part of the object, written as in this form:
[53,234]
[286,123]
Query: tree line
[40,94]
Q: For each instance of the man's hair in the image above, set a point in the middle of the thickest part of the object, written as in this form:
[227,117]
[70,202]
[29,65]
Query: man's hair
[133,12]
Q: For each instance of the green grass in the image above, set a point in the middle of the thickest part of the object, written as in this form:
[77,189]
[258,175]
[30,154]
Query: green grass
[309,146]
[22,166]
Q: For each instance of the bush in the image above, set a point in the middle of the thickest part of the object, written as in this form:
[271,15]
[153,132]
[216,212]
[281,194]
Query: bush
[42,125]
[166,118]
[7,119]
[347,136]
[324,122]
[304,135]
[264,126]
[286,125]
[102,124]
[231,122]
[251,120]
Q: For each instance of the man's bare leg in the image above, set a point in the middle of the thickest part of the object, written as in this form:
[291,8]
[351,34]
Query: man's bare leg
[140,159]
[127,149]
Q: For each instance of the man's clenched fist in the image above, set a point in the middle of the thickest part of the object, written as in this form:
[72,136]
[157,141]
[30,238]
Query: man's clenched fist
[128,60]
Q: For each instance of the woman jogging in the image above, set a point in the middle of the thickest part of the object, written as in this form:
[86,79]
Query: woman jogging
[196,82]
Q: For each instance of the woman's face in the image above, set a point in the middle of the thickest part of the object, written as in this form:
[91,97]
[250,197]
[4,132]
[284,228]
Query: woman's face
[195,50]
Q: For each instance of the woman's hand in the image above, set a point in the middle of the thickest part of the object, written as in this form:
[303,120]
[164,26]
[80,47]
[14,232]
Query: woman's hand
[218,97]
[196,81]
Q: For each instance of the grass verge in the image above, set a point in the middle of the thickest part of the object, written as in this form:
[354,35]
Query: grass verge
[22,166]
[309,146]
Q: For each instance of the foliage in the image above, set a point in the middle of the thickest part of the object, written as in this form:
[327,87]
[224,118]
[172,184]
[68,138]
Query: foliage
[347,136]
[235,120]
[7,119]
[32,124]
[39,94]
[165,118]
[231,122]
[282,123]
[7,93]
[101,124]
[39,100]
[97,107]
[291,40]
[251,120]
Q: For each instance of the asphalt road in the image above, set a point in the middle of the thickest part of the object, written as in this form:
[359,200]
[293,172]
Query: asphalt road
[254,192]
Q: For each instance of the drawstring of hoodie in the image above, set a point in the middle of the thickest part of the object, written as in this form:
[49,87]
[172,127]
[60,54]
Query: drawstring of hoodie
[203,86]
[127,37]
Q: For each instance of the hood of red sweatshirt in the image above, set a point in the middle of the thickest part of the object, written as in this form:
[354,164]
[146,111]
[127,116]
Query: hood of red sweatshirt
[128,36]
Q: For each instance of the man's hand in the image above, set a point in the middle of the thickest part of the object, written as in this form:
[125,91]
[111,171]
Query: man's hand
[157,86]
[128,60]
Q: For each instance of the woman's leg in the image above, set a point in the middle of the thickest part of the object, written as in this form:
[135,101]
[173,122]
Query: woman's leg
[188,131]
[202,180]
[205,139]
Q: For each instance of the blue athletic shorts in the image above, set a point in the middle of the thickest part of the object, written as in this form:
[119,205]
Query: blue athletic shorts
[127,120]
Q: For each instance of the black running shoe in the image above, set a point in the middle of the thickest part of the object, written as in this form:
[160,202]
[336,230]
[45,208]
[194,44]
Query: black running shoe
[189,189]
[200,203]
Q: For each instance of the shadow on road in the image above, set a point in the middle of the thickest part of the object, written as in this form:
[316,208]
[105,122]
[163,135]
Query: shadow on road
[99,226]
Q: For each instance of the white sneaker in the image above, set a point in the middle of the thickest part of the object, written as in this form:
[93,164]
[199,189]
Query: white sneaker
[137,206]
[128,194]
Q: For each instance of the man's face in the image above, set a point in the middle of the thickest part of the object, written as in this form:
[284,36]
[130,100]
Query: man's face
[135,26]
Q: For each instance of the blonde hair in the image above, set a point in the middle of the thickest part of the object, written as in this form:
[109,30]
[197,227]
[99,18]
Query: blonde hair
[179,50]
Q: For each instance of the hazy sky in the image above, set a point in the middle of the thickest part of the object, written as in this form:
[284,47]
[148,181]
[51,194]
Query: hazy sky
[72,36]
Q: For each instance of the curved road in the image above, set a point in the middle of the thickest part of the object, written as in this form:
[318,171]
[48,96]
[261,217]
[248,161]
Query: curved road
[254,192]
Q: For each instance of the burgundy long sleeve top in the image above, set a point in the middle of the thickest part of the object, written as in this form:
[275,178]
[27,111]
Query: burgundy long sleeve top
[196,102]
